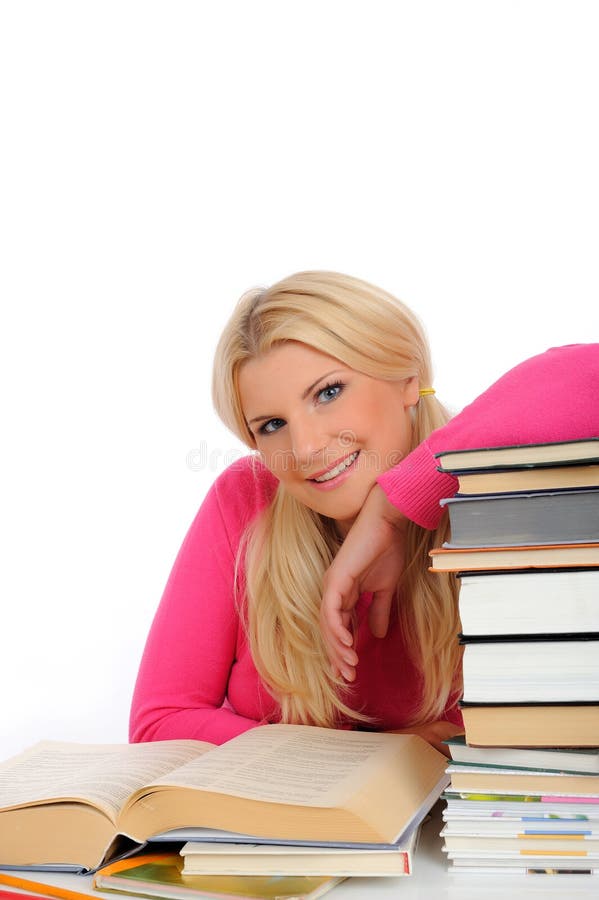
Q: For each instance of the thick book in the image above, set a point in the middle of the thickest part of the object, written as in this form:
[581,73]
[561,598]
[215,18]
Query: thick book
[531,725]
[160,875]
[78,806]
[552,601]
[272,859]
[477,779]
[548,517]
[556,759]
[547,454]
[490,559]
[538,669]
[551,478]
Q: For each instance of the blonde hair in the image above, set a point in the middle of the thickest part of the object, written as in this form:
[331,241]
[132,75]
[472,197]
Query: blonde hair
[288,548]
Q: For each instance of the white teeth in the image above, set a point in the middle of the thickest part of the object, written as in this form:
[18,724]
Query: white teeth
[338,469]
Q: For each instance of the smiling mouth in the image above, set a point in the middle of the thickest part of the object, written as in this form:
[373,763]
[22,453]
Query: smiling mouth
[338,469]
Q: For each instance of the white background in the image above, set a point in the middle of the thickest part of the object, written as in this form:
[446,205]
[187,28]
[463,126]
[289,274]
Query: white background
[158,158]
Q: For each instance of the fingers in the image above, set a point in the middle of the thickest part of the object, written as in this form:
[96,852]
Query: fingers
[338,638]
[370,559]
[379,612]
[335,619]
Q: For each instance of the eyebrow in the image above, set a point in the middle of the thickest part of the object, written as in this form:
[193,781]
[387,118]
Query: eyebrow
[304,395]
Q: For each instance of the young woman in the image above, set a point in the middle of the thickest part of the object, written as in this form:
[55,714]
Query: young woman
[328,380]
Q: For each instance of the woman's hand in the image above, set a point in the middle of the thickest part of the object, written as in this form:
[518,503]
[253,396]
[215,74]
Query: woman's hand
[435,733]
[370,559]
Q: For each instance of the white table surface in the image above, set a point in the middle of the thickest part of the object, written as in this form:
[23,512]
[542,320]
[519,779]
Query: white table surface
[431,880]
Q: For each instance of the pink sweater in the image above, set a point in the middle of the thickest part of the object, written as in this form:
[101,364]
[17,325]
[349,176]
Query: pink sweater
[197,678]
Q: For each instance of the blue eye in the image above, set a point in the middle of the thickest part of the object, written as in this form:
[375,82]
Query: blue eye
[271,426]
[329,392]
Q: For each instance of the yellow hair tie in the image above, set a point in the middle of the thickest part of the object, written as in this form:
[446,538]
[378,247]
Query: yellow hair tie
[424,391]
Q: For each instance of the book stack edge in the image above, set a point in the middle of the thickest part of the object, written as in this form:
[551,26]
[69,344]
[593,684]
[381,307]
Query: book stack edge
[524,789]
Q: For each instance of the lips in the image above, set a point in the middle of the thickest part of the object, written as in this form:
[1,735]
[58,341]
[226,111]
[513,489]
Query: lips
[333,471]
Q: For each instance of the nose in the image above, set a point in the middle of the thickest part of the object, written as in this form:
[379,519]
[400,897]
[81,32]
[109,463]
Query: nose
[307,440]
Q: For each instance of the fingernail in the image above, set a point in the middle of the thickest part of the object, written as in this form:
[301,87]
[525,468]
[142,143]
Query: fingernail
[347,639]
[348,674]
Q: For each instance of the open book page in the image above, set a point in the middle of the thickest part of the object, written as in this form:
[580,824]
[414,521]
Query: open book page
[101,774]
[290,764]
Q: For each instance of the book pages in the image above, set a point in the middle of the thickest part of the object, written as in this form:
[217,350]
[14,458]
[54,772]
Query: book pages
[103,774]
[290,764]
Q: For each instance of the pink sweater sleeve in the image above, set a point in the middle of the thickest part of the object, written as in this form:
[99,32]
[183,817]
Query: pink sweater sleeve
[550,397]
[184,673]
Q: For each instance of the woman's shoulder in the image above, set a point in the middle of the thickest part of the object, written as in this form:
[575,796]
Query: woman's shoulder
[236,497]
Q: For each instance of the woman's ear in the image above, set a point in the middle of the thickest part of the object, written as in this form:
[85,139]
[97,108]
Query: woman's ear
[411,391]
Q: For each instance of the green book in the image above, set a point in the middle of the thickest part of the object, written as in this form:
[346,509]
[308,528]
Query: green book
[159,875]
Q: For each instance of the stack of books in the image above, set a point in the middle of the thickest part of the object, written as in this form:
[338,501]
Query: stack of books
[524,791]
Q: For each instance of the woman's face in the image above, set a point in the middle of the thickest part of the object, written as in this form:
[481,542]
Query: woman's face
[323,429]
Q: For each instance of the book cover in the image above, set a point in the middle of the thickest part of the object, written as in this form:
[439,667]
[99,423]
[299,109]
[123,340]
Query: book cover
[557,759]
[547,517]
[160,875]
[548,454]
[480,779]
[527,478]
[492,559]
[274,859]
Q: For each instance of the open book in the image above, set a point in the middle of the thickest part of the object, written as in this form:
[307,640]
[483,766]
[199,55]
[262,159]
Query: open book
[77,806]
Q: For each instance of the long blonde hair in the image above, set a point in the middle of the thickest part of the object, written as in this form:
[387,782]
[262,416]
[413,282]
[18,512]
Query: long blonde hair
[288,548]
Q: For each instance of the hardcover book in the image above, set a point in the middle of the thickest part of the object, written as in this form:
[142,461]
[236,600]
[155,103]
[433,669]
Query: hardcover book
[501,481]
[531,725]
[78,806]
[558,759]
[271,859]
[541,668]
[551,601]
[489,559]
[495,520]
[478,779]
[547,454]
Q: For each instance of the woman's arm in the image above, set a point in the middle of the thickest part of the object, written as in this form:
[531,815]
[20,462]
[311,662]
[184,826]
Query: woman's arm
[551,397]
[435,733]
[370,559]
[192,645]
